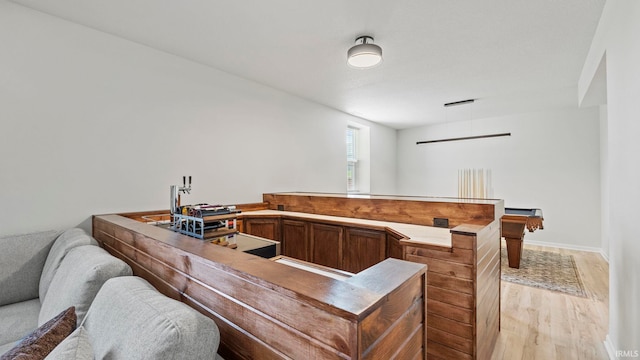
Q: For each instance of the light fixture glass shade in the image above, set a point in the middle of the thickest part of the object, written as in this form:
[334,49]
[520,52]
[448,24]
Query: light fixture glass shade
[364,55]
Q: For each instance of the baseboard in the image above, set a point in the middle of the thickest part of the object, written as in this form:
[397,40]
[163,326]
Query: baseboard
[565,246]
[608,345]
[604,256]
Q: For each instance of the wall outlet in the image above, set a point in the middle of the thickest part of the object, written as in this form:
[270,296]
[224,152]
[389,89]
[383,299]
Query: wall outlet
[441,222]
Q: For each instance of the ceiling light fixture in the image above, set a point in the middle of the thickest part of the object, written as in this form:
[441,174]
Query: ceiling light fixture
[364,54]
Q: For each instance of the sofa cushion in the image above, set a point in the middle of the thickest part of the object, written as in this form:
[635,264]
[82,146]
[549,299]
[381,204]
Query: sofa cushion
[130,319]
[66,241]
[6,347]
[18,320]
[38,344]
[75,347]
[22,258]
[79,277]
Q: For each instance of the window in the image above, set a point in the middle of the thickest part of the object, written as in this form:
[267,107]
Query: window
[352,158]
[358,164]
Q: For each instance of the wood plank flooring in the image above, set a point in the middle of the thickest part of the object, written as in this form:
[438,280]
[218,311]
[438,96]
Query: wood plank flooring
[542,324]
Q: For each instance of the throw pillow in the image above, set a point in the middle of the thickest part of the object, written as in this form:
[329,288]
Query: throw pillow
[44,339]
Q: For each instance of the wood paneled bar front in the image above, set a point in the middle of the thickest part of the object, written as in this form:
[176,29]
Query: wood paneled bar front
[463,292]
[268,310]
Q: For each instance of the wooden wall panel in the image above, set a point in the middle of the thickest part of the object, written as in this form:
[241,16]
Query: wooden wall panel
[463,296]
[450,326]
[410,321]
[437,351]
[413,347]
[460,343]
[462,271]
[455,313]
[464,286]
[378,322]
[458,255]
[416,211]
[488,289]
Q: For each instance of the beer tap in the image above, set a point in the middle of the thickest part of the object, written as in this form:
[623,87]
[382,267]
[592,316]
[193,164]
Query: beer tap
[185,189]
[175,192]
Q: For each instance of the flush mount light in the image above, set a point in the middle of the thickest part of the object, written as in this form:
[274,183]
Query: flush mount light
[364,54]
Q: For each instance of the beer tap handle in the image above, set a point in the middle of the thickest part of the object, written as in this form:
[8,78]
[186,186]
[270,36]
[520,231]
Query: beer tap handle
[189,181]
[184,181]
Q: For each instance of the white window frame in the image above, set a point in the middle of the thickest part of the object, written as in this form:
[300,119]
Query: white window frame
[352,158]
[358,159]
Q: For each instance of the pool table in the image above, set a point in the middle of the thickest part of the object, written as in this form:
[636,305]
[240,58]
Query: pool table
[513,223]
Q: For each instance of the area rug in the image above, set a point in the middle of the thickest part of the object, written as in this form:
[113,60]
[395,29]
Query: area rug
[545,270]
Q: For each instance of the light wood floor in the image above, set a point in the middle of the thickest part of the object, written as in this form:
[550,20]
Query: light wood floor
[542,324]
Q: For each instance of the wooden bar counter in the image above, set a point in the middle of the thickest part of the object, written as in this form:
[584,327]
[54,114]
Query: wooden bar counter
[390,309]
[352,232]
[267,310]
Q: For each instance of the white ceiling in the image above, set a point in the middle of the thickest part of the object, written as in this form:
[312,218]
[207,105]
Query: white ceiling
[512,55]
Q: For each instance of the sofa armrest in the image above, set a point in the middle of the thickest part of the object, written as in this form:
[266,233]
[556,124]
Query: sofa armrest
[130,319]
[22,259]
[68,240]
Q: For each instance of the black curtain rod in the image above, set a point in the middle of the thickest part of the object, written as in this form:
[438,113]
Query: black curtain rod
[463,138]
[461,102]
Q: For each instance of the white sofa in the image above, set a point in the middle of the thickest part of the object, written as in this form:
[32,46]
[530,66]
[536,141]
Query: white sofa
[42,274]
[129,319]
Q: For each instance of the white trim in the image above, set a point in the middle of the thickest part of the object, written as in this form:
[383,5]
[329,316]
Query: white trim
[564,246]
[604,256]
[608,345]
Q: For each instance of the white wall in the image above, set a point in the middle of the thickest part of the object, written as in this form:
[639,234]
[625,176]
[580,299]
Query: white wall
[550,161]
[91,124]
[383,160]
[616,40]
[604,180]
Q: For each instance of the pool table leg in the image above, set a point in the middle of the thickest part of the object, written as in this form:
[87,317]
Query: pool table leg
[514,252]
